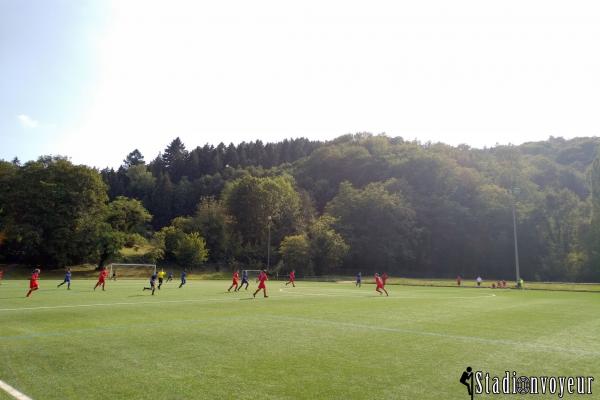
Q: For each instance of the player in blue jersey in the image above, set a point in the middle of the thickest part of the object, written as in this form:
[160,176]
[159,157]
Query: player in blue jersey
[170,276]
[67,279]
[244,280]
[183,278]
[152,283]
[358,279]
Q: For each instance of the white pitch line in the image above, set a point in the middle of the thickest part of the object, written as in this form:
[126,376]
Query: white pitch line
[13,392]
[507,342]
[402,288]
[286,291]
[115,304]
[290,292]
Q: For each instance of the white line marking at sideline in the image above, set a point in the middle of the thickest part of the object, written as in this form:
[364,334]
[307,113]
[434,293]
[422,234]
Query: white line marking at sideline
[285,290]
[371,295]
[115,304]
[13,392]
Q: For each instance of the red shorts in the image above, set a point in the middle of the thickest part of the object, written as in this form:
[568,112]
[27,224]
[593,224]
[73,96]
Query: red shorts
[33,285]
[101,280]
[262,285]
[235,281]
[379,286]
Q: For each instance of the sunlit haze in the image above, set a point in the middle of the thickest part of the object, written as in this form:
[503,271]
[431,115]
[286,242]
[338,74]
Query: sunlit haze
[94,80]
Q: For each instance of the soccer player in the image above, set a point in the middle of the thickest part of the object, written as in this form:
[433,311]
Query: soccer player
[244,280]
[262,277]
[33,281]
[102,278]
[384,278]
[67,279]
[114,275]
[292,278]
[161,277]
[358,280]
[152,283]
[183,278]
[170,276]
[380,285]
[1,275]
[479,280]
[236,278]
[458,280]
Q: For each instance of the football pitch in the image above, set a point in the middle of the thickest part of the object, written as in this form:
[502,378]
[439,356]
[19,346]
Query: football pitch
[315,341]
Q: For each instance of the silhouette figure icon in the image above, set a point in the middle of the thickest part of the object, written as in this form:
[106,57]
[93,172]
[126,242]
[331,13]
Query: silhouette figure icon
[467,379]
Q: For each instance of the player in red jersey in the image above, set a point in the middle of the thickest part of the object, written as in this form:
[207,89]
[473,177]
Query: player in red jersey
[1,275]
[458,280]
[102,278]
[236,278]
[262,277]
[292,278]
[384,278]
[33,281]
[380,285]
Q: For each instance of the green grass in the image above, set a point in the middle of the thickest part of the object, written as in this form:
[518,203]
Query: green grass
[138,250]
[578,287]
[316,341]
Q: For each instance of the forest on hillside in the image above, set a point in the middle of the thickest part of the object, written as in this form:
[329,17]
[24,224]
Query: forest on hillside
[360,202]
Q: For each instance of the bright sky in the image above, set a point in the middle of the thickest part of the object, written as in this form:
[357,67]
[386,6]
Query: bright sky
[94,80]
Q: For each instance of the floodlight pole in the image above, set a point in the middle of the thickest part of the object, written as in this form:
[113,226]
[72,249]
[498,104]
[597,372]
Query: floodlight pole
[269,243]
[515,191]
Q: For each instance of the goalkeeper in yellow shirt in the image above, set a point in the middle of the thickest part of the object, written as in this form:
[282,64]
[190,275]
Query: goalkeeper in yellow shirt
[161,278]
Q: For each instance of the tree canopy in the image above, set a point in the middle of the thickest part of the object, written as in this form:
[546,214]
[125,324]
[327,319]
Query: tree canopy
[359,202]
